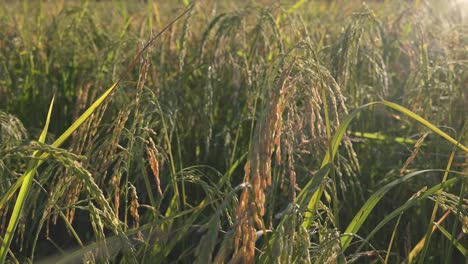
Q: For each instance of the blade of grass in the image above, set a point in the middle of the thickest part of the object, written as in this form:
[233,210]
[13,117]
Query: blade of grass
[379,136]
[458,215]
[405,206]
[329,156]
[366,209]
[390,244]
[24,191]
[452,239]
[423,242]
[311,187]
[425,123]
[329,138]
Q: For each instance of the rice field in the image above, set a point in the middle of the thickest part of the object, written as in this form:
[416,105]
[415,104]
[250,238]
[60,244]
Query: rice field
[233,131]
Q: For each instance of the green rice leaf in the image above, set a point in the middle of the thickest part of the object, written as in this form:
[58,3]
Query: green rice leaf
[425,123]
[408,204]
[366,209]
[24,191]
[452,239]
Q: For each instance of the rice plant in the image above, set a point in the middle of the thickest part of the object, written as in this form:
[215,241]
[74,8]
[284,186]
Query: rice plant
[233,132]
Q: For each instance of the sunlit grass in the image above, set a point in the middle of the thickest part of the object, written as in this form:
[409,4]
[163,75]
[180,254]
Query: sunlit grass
[270,132]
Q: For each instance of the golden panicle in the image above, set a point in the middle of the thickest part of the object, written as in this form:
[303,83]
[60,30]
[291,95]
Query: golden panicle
[134,204]
[154,164]
[258,173]
[116,183]
[415,152]
[72,198]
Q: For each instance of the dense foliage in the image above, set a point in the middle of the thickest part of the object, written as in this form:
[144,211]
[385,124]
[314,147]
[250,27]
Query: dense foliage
[255,131]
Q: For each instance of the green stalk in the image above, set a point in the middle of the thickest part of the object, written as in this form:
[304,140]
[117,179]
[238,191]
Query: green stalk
[455,225]
[24,191]
[389,249]
[332,170]
[434,211]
